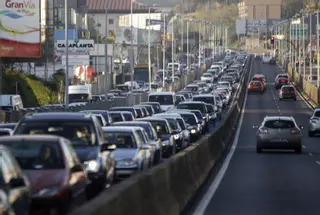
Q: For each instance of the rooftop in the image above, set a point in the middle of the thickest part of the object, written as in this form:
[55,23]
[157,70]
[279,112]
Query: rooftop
[115,6]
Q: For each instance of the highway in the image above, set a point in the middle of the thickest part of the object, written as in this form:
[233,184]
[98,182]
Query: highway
[270,183]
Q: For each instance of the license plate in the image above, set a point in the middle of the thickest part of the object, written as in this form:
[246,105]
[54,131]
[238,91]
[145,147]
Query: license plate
[279,140]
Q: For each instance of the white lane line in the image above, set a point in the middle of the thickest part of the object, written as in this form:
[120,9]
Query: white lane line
[303,146]
[310,154]
[203,204]
[318,162]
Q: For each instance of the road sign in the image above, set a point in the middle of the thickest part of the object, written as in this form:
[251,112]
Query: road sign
[298,31]
[76,60]
[154,22]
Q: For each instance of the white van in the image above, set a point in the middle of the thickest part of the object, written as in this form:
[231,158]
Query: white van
[11,102]
[79,93]
[167,100]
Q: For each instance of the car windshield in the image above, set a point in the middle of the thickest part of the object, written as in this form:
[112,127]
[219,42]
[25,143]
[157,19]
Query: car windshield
[192,88]
[128,116]
[99,119]
[162,99]
[317,114]
[193,106]
[37,155]
[205,99]
[116,117]
[279,124]
[78,132]
[207,75]
[123,140]
[4,133]
[160,127]
[181,124]
[173,123]
[189,119]
[146,127]
[210,108]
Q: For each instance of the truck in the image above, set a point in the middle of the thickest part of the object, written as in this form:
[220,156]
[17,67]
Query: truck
[80,93]
[141,73]
[11,102]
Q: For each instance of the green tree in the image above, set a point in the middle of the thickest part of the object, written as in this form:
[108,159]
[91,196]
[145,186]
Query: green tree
[291,7]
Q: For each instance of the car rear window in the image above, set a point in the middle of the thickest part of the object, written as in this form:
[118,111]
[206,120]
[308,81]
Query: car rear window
[317,114]
[205,99]
[256,83]
[279,124]
[283,80]
[193,106]
[288,89]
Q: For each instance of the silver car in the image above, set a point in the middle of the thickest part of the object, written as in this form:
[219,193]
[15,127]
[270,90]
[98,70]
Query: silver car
[279,132]
[314,123]
[132,155]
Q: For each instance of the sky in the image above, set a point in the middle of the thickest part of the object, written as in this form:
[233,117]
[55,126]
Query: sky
[164,3]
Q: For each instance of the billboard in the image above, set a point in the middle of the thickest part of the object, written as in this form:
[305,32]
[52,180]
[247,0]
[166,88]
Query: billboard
[143,36]
[20,28]
[124,35]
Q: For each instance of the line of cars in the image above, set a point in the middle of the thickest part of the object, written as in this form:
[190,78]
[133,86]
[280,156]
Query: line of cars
[53,161]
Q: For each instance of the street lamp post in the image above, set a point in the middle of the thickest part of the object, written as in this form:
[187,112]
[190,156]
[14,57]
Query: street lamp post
[132,51]
[200,22]
[106,53]
[66,37]
[164,39]
[187,45]
[149,48]
[172,55]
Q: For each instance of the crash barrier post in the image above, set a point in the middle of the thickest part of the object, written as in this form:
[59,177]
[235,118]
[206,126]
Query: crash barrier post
[168,187]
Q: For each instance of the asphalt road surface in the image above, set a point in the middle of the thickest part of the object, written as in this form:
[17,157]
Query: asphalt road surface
[270,183]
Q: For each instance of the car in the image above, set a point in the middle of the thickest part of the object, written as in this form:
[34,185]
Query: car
[225,83]
[180,98]
[266,58]
[186,94]
[155,142]
[149,108]
[314,123]
[15,190]
[117,116]
[281,76]
[256,86]
[202,124]
[127,115]
[207,77]
[180,142]
[212,113]
[257,57]
[260,77]
[5,132]
[279,132]
[86,137]
[57,178]
[288,92]
[104,113]
[194,88]
[273,61]
[130,109]
[101,119]
[164,132]
[131,153]
[280,82]
[155,105]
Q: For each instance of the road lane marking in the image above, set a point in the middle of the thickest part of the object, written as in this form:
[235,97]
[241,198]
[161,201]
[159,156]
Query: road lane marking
[303,146]
[310,154]
[318,162]
[203,204]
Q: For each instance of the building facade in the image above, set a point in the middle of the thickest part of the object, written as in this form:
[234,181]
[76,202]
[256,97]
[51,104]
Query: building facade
[260,9]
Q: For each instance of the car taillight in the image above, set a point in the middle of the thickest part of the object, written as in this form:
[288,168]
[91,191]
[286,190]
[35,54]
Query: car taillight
[295,131]
[282,91]
[250,86]
[282,81]
[293,91]
[263,131]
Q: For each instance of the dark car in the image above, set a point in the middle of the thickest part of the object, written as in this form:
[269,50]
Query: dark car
[131,109]
[15,191]
[288,92]
[57,179]
[273,61]
[9,125]
[149,108]
[104,113]
[127,115]
[5,132]
[156,106]
[117,116]
[280,82]
[86,136]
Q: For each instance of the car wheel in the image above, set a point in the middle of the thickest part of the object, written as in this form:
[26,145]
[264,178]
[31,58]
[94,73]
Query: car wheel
[310,133]
[258,149]
[280,99]
[295,99]
[298,150]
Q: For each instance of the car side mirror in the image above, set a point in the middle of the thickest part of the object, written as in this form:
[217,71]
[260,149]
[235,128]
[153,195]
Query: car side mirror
[301,127]
[77,168]
[107,147]
[17,182]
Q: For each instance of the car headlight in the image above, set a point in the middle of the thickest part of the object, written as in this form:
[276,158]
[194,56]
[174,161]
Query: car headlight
[126,162]
[165,142]
[176,136]
[92,165]
[193,131]
[45,192]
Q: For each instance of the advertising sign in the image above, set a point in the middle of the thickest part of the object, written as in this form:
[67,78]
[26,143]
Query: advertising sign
[299,31]
[154,22]
[75,45]
[20,28]
[255,26]
[76,60]
[124,35]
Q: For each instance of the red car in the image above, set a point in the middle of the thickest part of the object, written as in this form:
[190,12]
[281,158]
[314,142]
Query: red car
[256,86]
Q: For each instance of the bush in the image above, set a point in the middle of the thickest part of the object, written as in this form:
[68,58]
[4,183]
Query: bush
[32,90]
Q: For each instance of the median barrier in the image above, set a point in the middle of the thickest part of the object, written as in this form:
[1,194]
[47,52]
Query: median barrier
[167,188]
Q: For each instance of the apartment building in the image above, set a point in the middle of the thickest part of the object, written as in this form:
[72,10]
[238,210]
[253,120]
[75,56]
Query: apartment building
[260,9]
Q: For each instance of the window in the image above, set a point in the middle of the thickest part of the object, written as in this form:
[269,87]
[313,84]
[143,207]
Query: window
[110,21]
[141,137]
[123,140]
[69,155]
[279,124]
[37,155]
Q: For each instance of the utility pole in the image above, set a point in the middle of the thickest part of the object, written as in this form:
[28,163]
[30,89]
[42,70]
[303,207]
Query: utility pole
[66,37]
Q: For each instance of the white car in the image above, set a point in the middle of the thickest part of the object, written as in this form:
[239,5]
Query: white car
[224,83]
[207,77]
[266,58]
[217,66]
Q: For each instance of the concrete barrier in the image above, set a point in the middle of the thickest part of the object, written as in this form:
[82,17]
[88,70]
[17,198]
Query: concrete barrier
[166,189]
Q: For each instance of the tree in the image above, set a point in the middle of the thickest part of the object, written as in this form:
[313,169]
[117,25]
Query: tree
[291,7]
